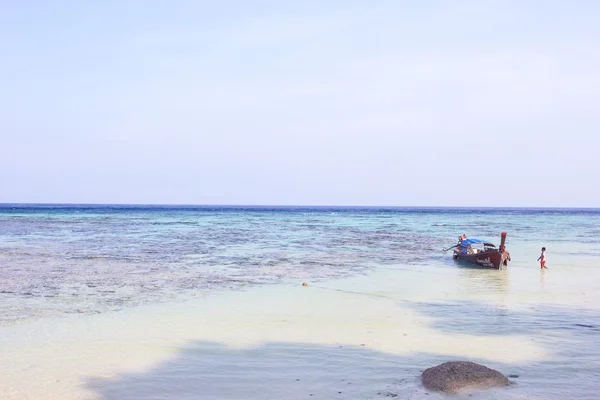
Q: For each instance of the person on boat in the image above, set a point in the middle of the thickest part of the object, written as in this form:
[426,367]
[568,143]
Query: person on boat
[461,238]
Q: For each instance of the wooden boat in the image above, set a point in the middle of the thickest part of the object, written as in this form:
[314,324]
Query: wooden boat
[482,253]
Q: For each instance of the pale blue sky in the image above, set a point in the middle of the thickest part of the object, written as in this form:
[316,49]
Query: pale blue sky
[447,103]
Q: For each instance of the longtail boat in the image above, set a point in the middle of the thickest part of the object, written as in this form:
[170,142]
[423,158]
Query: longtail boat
[482,253]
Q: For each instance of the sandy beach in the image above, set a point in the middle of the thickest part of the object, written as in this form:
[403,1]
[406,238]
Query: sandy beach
[364,337]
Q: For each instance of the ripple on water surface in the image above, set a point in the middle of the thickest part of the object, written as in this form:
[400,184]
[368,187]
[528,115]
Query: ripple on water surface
[92,259]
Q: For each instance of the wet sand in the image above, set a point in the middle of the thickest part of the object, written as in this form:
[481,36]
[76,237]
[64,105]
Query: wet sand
[362,337]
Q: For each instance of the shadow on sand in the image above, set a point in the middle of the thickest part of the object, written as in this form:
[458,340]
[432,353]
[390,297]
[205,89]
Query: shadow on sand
[210,371]
[478,318]
[207,371]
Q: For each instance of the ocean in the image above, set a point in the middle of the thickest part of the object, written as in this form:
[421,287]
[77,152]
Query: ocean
[68,271]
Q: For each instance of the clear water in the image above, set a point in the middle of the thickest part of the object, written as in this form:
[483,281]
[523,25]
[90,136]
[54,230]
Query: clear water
[73,259]
[92,260]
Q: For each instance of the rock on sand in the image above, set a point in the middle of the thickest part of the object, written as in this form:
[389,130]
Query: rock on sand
[459,376]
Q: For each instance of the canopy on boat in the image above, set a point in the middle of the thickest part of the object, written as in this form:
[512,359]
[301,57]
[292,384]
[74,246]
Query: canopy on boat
[467,242]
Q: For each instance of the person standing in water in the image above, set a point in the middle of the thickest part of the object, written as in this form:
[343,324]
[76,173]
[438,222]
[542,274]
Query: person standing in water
[542,258]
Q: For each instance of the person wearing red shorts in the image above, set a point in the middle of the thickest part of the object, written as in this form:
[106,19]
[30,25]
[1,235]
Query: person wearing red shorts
[542,258]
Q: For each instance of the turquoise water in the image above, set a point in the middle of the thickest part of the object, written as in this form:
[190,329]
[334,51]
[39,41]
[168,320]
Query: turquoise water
[78,275]
[92,259]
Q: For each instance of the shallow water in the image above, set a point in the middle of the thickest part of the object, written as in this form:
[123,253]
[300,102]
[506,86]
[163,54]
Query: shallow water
[94,259]
[117,303]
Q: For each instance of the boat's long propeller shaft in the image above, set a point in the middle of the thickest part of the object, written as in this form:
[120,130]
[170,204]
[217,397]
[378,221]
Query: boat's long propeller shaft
[456,245]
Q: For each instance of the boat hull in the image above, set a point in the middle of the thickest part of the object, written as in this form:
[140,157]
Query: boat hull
[486,259]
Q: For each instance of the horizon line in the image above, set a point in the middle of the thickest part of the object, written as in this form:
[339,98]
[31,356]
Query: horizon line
[33,204]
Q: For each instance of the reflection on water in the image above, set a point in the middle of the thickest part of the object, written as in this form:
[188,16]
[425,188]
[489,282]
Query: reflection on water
[543,278]
[475,280]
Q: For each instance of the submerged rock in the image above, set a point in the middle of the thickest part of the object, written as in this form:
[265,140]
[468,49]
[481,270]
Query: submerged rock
[459,376]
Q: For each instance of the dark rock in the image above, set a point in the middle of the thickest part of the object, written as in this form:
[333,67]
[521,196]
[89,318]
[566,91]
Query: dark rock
[459,376]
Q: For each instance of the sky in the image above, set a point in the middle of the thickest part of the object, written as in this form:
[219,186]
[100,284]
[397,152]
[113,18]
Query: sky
[314,102]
